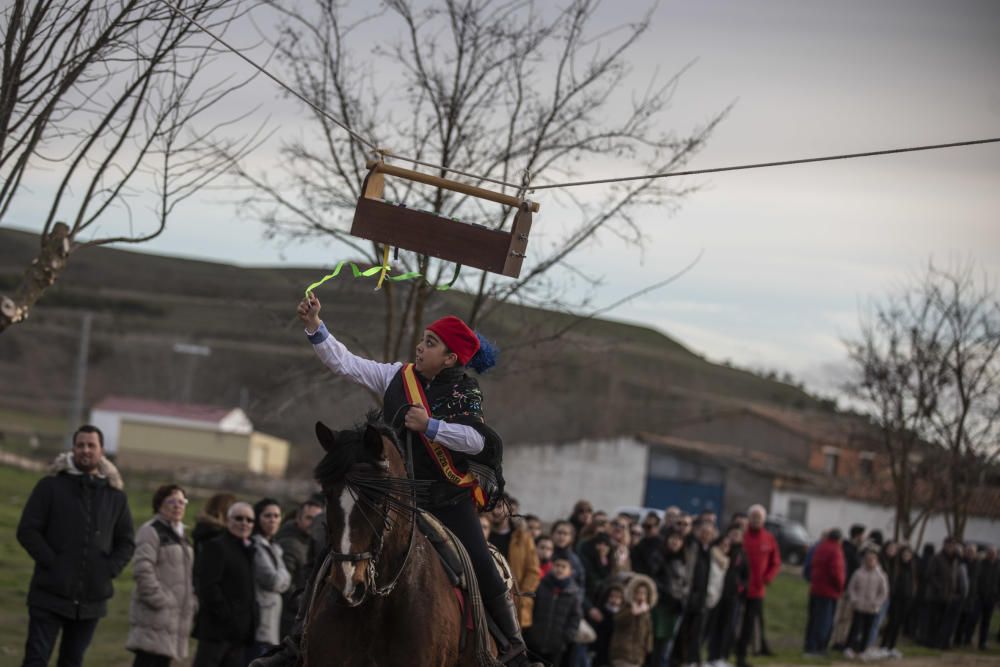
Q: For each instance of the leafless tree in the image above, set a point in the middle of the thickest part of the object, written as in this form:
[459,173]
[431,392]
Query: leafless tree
[109,101]
[966,415]
[927,367]
[491,87]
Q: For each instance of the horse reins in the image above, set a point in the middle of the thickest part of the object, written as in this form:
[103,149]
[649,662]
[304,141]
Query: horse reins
[373,556]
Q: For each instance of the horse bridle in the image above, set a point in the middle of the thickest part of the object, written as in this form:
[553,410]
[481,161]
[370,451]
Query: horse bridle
[372,556]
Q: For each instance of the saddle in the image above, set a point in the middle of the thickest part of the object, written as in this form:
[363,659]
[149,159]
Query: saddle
[458,567]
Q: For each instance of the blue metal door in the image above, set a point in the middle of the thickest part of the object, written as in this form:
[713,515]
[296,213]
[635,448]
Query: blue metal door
[691,497]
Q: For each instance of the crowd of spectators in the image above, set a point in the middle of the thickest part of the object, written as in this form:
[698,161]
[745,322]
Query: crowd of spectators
[667,589]
[866,592]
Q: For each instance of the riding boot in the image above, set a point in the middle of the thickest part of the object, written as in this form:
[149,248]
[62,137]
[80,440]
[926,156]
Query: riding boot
[504,614]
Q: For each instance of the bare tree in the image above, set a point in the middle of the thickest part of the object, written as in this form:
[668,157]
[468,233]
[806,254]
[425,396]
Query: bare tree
[490,87]
[966,415]
[109,101]
[927,368]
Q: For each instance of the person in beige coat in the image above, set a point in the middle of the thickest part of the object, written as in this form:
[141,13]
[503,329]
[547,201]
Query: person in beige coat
[163,601]
[868,590]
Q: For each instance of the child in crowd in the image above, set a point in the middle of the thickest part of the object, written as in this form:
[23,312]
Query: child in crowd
[557,613]
[544,547]
[613,601]
[867,590]
[632,639]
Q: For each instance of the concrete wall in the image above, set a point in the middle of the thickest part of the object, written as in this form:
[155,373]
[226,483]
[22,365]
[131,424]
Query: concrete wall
[825,512]
[547,478]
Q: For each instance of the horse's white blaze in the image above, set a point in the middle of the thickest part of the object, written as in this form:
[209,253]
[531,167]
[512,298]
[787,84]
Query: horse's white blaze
[347,506]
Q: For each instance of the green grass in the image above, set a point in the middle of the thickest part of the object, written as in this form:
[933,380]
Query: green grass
[784,608]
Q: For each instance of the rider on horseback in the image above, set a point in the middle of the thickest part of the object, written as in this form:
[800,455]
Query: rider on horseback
[453,431]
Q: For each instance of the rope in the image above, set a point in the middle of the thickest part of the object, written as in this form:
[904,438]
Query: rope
[383,153]
[278,81]
[761,165]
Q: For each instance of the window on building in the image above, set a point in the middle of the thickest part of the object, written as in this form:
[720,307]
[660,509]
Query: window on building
[830,460]
[797,510]
[867,465]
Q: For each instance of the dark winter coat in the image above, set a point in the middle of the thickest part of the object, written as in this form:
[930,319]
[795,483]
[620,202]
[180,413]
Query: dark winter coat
[972,568]
[699,564]
[295,545]
[579,573]
[903,581]
[78,530]
[597,573]
[673,580]
[556,616]
[989,582]
[943,578]
[737,574]
[852,558]
[227,605]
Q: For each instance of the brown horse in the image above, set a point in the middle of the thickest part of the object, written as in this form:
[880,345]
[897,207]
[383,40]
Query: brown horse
[381,598]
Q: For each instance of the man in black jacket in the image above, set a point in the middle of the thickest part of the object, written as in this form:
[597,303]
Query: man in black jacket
[227,607]
[77,528]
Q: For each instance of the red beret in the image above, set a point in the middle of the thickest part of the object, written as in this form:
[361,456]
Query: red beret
[457,335]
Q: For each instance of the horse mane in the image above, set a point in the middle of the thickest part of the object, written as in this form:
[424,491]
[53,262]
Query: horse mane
[350,450]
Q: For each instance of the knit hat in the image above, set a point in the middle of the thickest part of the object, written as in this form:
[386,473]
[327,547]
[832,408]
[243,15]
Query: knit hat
[457,335]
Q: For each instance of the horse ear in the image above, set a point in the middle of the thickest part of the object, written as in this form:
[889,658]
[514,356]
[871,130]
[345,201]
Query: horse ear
[325,436]
[373,442]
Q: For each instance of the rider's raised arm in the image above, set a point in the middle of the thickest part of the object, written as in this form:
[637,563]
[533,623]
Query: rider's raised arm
[371,374]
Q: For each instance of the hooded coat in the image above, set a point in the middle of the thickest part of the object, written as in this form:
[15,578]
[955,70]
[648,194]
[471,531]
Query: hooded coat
[78,530]
[632,639]
[163,601]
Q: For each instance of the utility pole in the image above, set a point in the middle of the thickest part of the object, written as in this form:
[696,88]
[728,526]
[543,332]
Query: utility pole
[80,381]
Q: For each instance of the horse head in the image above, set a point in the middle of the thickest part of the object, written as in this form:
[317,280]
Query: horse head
[360,475]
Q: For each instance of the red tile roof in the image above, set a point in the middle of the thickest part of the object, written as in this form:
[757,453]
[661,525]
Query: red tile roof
[191,411]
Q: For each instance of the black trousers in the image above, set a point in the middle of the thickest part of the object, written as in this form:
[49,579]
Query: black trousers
[861,629]
[722,624]
[220,654]
[43,630]
[898,611]
[143,659]
[752,614]
[985,617]
[463,520]
[689,636]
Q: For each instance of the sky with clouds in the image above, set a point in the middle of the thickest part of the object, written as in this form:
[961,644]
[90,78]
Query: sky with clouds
[789,253]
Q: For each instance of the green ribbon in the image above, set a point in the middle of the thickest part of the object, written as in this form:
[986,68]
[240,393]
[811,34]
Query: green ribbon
[368,273]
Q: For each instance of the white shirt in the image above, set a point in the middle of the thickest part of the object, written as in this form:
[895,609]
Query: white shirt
[376,376]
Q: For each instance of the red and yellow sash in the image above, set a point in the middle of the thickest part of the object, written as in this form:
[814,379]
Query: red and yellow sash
[415,395]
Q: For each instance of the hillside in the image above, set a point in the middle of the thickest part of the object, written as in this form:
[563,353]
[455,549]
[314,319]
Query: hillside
[601,378]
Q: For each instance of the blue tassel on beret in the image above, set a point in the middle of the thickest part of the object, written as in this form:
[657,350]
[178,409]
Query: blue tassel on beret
[486,357]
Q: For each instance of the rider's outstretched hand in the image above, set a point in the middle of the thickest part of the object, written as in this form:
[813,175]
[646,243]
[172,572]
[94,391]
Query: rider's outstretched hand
[308,311]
